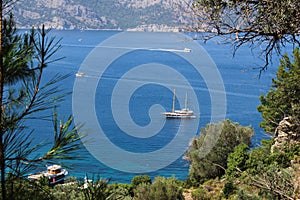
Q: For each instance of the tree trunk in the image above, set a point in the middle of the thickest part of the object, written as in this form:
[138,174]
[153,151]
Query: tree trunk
[2,151]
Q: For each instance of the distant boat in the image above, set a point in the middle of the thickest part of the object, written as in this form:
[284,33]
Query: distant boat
[177,114]
[187,50]
[79,74]
[55,173]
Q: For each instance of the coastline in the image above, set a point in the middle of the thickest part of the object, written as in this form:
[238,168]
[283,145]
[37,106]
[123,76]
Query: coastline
[143,28]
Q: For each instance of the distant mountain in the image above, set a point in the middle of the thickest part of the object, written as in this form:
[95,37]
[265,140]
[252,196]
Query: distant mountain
[148,15]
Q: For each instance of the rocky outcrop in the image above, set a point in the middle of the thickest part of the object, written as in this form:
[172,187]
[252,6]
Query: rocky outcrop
[287,133]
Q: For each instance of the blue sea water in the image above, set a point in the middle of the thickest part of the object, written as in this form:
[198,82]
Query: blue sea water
[242,86]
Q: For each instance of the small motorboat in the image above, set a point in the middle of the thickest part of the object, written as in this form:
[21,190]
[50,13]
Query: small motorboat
[55,173]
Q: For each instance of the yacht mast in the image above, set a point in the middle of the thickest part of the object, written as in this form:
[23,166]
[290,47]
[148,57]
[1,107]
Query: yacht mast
[173,105]
[185,101]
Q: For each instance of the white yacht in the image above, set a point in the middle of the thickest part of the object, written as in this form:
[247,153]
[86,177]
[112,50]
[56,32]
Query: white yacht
[183,113]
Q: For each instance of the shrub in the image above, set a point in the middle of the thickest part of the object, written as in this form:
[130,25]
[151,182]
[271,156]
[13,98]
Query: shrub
[200,194]
[228,189]
[237,160]
[137,180]
[161,189]
[242,195]
[213,164]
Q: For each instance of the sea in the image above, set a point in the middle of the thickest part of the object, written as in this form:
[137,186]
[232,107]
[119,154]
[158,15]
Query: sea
[127,82]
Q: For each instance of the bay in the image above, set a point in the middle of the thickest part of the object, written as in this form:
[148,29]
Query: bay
[241,82]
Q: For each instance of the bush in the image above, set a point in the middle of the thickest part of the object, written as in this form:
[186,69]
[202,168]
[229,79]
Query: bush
[96,190]
[228,189]
[19,189]
[242,195]
[68,191]
[161,189]
[214,163]
[200,194]
[237,160]
[120,191]
[137,180]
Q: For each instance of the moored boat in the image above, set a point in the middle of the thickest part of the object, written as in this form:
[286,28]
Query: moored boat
[55,173]
[183,113]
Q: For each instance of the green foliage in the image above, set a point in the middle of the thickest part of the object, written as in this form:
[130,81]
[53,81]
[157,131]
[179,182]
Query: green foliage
[228,189]
[250,23]
[267,172]
[211,189]
[18,52]
[120,191]
[137,180]
[237,160]
[258,156]
[161,189]
[200,194]
[20,189]
[66,140]
[213,164]
[142,192]
[96,190]
[242,195]
[275,183]
[73,190]
[23,95]
[43,180]
[283,99]
[261,158]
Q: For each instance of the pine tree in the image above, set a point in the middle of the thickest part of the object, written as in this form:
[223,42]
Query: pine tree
[23,60]
[283,99]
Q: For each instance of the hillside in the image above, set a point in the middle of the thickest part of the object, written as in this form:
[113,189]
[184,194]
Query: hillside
[99,14]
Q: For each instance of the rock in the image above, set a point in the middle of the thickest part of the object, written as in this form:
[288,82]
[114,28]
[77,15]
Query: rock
[287,133]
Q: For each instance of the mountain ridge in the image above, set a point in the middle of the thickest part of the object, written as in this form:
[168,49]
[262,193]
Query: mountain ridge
[142,15]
